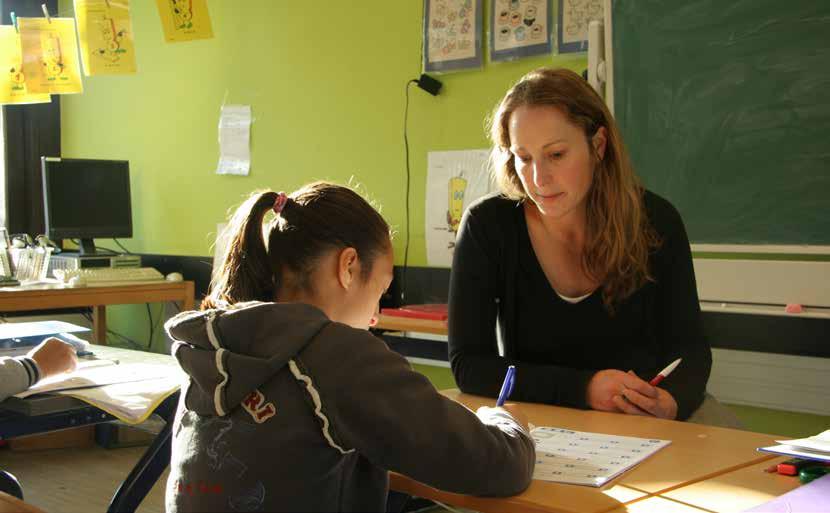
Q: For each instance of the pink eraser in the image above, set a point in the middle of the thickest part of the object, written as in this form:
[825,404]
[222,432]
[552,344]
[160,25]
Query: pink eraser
[794,308]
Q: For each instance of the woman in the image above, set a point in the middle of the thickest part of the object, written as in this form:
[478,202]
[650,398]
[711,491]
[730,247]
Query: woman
[581,275]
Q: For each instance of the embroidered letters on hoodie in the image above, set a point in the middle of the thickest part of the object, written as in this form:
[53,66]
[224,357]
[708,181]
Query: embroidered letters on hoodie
[255,405]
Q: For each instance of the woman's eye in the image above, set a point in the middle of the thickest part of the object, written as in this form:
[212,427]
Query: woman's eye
[522,159]
[557,155]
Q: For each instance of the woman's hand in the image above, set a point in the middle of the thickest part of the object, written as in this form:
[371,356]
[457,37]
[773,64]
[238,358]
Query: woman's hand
[633,402]
[607,384]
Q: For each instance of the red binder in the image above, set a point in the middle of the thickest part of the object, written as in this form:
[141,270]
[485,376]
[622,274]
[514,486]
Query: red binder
[433,311]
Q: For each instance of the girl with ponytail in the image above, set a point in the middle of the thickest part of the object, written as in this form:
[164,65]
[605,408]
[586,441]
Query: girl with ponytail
[291,404]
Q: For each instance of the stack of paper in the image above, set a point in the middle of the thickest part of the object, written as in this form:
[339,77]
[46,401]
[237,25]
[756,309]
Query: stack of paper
[591,459]
[17,338]
[813,448]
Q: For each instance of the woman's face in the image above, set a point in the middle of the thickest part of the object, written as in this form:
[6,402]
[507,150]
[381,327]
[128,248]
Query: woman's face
[552,158]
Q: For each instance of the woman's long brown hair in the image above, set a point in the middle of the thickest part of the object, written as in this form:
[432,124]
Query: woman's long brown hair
[619,236]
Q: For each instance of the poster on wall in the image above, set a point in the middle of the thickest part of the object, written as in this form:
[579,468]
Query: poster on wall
[452,35]
[519,28]
[50,55]
[184,20]
[106,36]
[13,83]
[574,15]
[454,180]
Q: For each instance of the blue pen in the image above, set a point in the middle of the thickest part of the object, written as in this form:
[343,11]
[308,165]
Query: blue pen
[507,386]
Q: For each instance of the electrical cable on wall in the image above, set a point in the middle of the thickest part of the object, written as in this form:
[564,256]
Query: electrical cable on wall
[432,86]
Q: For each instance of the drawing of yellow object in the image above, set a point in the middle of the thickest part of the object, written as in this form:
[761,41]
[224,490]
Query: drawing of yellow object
[457,187]
[182,13]
[50,44]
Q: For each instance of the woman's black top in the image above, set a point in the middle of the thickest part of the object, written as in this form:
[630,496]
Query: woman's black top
[557,346]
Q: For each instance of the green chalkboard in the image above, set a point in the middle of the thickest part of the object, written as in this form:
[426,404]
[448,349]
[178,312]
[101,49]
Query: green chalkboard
[725,108]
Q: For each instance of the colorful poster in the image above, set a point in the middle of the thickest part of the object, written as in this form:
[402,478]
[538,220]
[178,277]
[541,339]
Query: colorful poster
[106,35]
[574,16]
[520,28]
[50,55]
[184,20]
[13,82]
[454,180]
[452,34]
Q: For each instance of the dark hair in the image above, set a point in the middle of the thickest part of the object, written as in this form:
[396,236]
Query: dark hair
[318,217]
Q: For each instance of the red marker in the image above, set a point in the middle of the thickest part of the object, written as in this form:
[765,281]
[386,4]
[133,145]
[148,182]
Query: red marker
[665,372]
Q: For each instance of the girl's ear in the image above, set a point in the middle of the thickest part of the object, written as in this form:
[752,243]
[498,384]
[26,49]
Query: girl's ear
[348,267]
[599,140]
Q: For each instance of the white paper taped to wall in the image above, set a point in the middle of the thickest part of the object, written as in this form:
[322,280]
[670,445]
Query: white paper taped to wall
[234,140]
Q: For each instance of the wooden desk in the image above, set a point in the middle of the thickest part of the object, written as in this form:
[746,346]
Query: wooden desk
[9,504]
[736,491]
[697,453]
[393,323]
[15,299]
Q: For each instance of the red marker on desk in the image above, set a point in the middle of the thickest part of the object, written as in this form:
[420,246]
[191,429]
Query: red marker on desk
[665,372]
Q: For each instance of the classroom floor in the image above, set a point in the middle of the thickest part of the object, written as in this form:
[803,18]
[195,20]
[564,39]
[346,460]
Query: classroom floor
[81,480]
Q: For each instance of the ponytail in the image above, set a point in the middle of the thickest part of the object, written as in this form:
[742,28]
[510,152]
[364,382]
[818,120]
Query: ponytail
[247,272]
[317,218]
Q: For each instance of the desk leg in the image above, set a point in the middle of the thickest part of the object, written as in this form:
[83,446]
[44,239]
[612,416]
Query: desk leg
[151,465]
[99,324]
[188,301]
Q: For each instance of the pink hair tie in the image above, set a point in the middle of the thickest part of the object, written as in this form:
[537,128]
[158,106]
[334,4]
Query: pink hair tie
[280,202]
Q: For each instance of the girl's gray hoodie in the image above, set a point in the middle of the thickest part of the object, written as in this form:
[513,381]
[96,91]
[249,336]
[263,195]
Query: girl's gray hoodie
[286,410]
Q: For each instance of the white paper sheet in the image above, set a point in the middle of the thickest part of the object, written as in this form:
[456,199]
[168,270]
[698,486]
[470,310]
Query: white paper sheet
[590,459]
[95,376]
[454,180]
[234,140]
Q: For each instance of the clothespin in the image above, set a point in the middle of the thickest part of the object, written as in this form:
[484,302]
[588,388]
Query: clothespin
[14,20]
[46,13]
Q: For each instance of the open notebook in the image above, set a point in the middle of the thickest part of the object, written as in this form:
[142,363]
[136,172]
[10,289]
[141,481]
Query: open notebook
[590,459]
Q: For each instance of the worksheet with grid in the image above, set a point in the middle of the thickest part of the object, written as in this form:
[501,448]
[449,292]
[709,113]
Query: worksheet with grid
[590,459]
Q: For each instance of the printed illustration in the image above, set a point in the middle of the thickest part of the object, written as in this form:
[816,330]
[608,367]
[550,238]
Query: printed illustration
[182,13]
[105,34]
[13,83]
[50,55]
[457,187]
[574,16]
[454,180]
[184,20]
[112,37]
[520,28]
[452,34]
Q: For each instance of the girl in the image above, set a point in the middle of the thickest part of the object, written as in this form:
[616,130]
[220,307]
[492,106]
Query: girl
[292,405]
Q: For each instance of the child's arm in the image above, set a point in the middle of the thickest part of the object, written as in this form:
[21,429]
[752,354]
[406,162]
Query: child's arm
[16,375]
[393,416]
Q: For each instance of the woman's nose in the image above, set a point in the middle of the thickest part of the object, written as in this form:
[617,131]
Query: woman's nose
[541,174]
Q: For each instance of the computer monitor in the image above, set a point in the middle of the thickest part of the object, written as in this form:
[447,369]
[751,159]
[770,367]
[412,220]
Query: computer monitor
[85,198]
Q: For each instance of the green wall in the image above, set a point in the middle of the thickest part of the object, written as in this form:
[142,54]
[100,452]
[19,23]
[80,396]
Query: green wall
[326,83]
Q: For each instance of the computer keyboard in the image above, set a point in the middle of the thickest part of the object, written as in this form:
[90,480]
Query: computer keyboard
[108,276]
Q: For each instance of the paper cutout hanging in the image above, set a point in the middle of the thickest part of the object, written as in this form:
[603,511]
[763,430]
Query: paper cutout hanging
[184,20]
[13,81]
[50,55]
[106,35]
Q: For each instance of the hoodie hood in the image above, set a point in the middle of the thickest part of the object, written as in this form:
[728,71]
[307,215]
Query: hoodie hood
[229,353]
